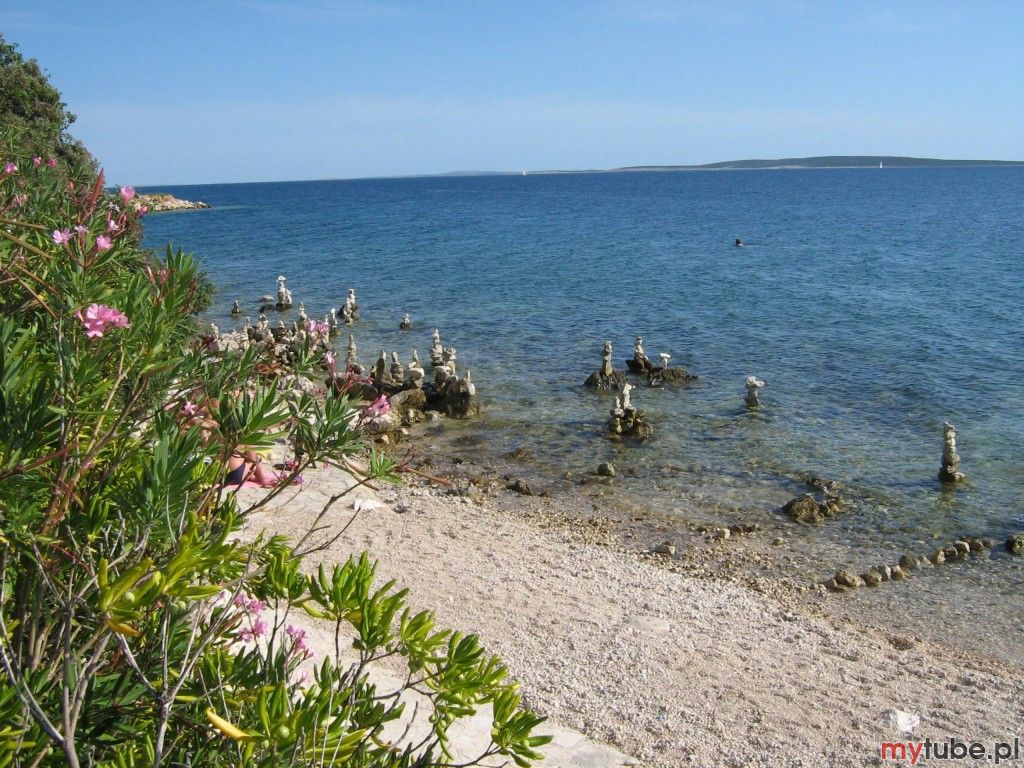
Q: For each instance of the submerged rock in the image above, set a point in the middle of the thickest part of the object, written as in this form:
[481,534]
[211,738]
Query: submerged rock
[806,509]
[669,375]
[520,486]
[1015,544]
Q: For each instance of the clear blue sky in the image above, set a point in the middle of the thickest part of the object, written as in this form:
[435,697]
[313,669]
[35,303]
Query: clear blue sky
[240,90]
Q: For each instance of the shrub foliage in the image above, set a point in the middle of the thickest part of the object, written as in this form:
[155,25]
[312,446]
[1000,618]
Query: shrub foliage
[135,627]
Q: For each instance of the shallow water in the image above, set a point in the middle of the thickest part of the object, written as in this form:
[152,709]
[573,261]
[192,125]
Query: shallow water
[876,304]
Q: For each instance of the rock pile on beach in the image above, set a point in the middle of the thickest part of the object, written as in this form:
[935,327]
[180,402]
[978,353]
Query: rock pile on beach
[399,395]
[627,420]
[403,394]
[962,549]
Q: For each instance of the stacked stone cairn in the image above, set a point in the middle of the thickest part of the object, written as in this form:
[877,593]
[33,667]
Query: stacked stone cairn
[451,394]
[284,296]
[350,310]
[627,420]
[753,399]
[408,392]
[640,363]
[950,471]
[351,357]
[400,394]
[606,377]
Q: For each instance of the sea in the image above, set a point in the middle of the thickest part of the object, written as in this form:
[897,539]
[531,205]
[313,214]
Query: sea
[875,304]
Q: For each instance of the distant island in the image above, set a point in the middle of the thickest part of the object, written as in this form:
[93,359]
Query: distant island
[824,161]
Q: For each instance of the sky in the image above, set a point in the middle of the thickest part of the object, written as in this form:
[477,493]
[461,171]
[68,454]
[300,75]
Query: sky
[260,90]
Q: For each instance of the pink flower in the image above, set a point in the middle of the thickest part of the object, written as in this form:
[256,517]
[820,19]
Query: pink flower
[111,225]
[51,163]
[259,627]
[298,636]
[97,318]
[190,409]
[103,243]
[127,193]
[80,229]
[316,328]
[37,161]
[143,210]
[10,167]
[378,407]
[61,236]
[20,199]
[330,360]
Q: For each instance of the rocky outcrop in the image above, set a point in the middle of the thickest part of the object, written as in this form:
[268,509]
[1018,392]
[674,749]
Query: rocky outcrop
[666,374]
[409,404]
[159,202]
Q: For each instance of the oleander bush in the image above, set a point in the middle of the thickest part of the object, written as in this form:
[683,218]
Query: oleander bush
[135,627]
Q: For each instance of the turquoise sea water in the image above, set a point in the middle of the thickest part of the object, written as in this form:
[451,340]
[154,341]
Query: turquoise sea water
[876,304]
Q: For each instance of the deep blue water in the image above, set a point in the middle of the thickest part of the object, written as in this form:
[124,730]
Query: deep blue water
[876,304]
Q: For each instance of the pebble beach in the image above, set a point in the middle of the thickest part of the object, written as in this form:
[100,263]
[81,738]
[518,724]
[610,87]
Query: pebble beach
[669,665]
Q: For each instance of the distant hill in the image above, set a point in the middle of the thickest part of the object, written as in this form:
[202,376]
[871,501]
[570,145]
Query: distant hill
[827,161]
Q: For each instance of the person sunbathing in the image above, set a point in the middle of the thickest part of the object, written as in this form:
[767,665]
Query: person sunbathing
[248,466]
[244,464]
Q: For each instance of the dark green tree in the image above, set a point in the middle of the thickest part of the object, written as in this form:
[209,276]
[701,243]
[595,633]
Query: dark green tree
[34,116]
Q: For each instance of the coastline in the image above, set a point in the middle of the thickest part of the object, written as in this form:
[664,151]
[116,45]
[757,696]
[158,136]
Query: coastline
[159,202]
[672,663]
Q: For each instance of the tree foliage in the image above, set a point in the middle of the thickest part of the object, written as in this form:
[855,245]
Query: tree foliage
[34,117]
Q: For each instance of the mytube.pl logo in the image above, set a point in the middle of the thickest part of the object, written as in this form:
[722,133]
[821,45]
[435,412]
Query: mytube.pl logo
[951,749]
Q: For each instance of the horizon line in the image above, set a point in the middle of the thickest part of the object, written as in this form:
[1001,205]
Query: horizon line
[723,165]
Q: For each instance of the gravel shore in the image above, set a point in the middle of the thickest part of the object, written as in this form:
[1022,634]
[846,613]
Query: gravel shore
[675,667]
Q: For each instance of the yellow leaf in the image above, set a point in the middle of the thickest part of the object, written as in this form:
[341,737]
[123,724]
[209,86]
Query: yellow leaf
[123,629]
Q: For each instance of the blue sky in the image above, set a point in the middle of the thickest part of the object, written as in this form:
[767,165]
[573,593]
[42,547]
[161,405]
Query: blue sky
[252,90]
